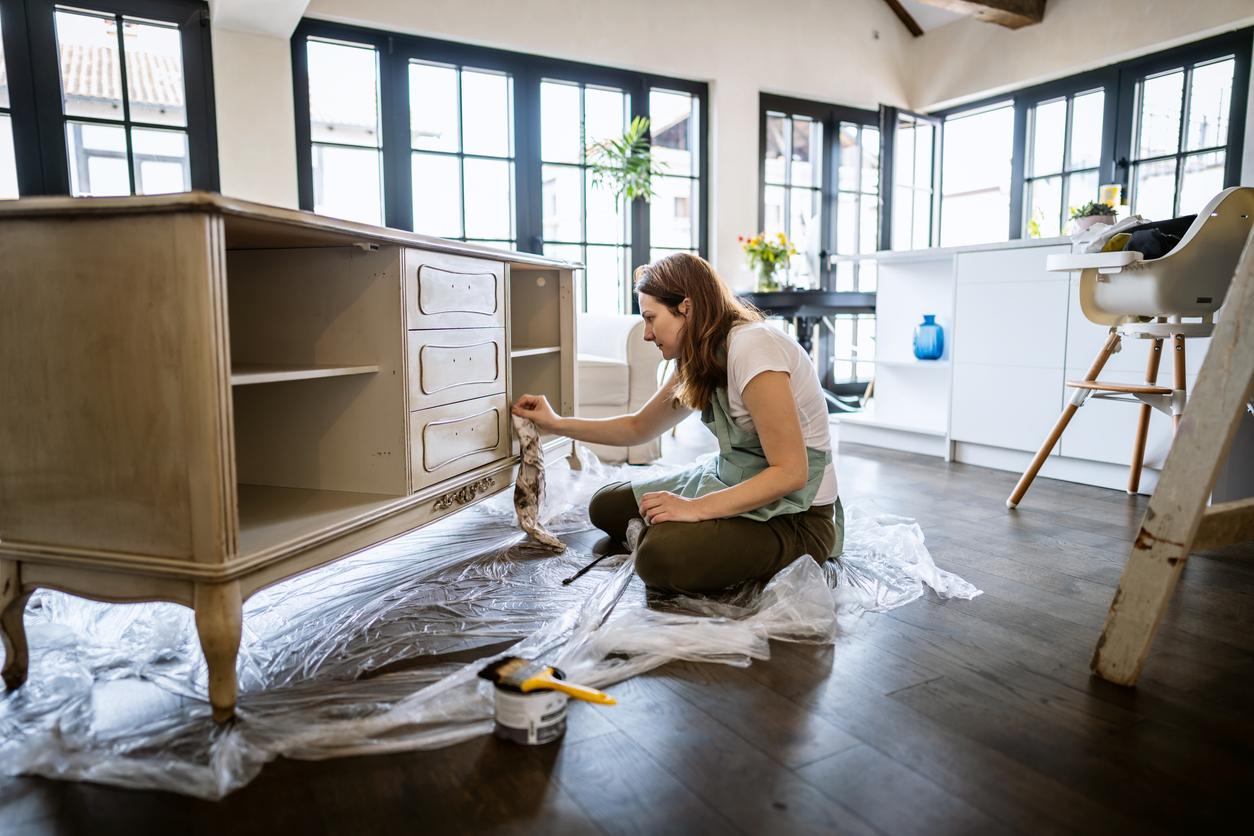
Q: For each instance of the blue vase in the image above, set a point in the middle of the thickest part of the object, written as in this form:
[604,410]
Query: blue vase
[929,339]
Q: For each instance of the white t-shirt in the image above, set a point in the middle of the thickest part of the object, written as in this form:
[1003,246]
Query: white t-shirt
[757,347]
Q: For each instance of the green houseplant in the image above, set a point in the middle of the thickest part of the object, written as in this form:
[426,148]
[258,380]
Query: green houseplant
[624,165]
[1092,213]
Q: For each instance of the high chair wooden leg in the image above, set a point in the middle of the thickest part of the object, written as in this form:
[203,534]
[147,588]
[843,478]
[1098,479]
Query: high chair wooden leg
[1025,481]
[1178,385]
[1142,424]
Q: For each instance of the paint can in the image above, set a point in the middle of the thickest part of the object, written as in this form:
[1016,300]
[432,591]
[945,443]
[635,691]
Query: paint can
[533,718]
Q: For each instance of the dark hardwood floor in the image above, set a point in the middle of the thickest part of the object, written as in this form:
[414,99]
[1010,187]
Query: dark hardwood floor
[963,717]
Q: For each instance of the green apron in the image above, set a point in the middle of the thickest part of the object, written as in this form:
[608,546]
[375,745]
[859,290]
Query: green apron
[740,457]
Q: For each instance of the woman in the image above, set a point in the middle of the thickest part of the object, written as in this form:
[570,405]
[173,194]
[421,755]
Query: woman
[770,495]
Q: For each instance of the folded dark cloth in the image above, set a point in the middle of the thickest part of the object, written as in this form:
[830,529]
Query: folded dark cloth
[1156,239]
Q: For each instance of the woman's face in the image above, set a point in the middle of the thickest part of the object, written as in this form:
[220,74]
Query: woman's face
[661,326]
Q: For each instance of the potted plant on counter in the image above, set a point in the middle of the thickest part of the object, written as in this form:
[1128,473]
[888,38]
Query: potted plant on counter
[1092,213]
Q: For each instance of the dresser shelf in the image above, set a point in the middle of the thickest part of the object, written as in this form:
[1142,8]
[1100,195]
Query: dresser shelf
[534,352]
[245,374]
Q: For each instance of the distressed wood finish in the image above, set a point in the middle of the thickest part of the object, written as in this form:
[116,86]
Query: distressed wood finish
[141,465]
[455,365]
[450,440]
[112,376]
[1176,510]
[448,291]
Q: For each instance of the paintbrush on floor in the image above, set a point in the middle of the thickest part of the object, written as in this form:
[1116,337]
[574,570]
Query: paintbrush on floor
[528,675]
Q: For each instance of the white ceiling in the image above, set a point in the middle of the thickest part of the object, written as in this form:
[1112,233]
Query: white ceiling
[929,17]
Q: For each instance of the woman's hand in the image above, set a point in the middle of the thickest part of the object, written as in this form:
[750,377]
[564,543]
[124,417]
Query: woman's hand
[664,506]
[537,408]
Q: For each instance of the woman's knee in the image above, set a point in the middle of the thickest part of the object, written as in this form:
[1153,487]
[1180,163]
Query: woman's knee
[653,563]
[612,507]
[661,558]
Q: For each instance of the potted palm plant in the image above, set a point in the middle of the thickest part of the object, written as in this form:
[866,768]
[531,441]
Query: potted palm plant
[625,165]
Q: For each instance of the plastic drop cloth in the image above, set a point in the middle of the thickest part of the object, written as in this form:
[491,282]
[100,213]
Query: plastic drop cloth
[345,659]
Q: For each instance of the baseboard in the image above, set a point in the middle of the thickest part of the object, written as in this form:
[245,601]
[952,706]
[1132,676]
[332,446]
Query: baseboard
[910,442]
[1083,471]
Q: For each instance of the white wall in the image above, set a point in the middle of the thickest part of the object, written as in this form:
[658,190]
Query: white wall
[818,49]
[252,76]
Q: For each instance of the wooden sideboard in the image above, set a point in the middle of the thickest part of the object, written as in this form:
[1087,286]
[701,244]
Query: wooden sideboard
[203,396]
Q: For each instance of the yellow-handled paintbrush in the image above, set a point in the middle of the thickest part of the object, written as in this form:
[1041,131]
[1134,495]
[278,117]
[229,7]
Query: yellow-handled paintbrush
[528,675]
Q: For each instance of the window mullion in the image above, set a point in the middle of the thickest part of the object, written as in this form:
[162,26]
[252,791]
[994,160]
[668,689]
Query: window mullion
[395,142]
[461,154]
[639,214]
[1018,168]
[1186,96]
[1064,185]
[124,94]
[829,198]
[528,166]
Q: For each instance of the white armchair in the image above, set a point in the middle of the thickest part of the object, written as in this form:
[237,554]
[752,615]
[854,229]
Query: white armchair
[618,373]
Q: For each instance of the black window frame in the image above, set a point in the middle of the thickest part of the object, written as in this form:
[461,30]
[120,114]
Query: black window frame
[830,116]
[396,50]
[890,120]
[32,63]
[1119,81]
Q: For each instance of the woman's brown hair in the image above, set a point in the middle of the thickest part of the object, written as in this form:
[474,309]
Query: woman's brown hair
[700,363]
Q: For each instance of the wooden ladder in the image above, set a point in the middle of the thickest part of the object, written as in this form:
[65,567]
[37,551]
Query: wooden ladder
[1177,520]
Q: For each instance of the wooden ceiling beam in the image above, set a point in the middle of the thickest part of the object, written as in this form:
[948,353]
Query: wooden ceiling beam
[1013,14]
[905,17]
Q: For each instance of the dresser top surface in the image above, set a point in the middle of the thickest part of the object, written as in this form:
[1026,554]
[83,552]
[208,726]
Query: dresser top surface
[252,225]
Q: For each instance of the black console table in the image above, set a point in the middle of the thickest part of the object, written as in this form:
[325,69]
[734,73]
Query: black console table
[806,307]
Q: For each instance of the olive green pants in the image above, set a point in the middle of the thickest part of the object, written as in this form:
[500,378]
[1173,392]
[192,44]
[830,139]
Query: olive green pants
[711,555]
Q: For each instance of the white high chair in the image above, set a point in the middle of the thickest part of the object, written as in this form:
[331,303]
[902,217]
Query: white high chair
[1151,300]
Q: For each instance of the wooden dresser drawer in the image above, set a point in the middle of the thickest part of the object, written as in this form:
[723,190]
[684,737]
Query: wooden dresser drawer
[455,365]
[453,291]
[446,441]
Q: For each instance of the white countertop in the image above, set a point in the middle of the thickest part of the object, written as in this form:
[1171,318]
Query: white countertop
[940,253]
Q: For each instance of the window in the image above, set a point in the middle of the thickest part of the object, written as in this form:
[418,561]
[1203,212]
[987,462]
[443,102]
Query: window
[584,221]
[674,133]
[8,163]
[857,232]
[110,98]
[914,164]
[820,184]
[1181,138]
[491,146]
[344,128]
[1063,156]
[1167,129]
[462,144]
[792,190]
[976,176]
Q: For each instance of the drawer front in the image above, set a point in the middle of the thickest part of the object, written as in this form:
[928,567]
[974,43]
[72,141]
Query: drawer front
[447,441]
[453,291]
[455,365]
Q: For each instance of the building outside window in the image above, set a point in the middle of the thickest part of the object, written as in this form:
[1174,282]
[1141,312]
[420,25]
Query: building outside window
[108,97]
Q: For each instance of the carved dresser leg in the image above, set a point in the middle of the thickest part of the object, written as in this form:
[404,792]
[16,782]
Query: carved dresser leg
[12,628]
[219,613]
